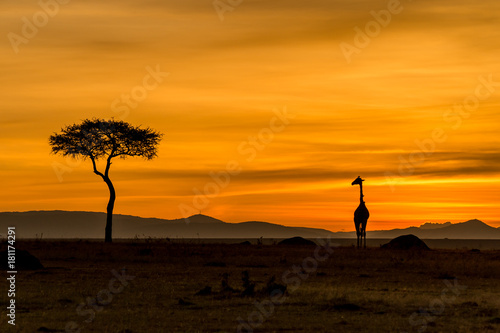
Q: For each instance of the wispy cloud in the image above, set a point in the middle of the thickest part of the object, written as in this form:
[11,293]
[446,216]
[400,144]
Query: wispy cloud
[226,77]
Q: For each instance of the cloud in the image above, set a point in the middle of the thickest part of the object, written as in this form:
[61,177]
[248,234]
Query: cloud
[226,77]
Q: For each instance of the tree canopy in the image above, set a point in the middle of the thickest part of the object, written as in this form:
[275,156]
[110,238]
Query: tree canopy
[99,138]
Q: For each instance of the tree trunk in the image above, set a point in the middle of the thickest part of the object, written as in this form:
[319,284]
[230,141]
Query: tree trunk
[111,205]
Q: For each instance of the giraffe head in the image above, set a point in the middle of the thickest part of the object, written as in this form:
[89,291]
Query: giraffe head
[358,181]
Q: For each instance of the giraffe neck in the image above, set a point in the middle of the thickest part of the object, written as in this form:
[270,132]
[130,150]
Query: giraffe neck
[361,193]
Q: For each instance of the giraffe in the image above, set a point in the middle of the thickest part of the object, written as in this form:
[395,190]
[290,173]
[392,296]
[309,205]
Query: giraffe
[361,214]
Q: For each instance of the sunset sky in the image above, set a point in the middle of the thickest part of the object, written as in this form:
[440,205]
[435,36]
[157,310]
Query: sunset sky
[428,76]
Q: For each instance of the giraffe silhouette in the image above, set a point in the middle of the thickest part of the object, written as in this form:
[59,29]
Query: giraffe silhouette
[361,214]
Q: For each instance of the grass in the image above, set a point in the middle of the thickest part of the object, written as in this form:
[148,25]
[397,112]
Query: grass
[370,290]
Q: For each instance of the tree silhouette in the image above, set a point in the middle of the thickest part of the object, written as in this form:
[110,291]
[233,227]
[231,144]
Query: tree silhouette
[98,138]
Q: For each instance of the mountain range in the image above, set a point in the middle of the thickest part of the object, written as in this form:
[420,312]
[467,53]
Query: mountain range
[90,225]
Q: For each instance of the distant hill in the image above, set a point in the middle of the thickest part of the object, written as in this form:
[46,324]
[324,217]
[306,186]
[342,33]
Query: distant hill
[64,224]
[473,229]
[430,225]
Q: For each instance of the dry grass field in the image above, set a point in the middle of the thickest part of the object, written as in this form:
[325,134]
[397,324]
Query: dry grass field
[188,286]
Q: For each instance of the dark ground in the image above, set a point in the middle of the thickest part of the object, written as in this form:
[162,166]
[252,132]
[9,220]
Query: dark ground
[187,286]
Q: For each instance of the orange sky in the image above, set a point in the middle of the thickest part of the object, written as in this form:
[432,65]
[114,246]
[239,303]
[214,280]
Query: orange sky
[227,79]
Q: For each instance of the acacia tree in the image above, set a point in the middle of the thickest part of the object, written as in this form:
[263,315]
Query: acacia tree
[105,139]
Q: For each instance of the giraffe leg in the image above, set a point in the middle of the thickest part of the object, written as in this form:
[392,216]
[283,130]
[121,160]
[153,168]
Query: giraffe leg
[364,235]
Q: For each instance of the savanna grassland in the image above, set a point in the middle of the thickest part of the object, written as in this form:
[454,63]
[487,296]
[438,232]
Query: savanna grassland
[188,286]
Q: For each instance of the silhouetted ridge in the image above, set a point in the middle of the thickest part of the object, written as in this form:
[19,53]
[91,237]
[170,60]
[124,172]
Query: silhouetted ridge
[78,224]
[474,222]
[60,224]
[200,218]
[430,225]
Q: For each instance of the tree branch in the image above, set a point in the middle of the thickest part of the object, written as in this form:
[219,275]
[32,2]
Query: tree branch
[108,161]
[97,172]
